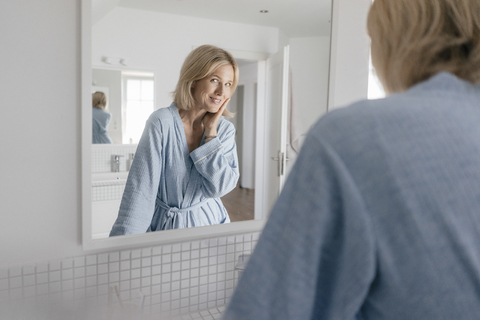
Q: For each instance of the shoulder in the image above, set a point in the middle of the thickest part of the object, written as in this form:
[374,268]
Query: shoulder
[162,116]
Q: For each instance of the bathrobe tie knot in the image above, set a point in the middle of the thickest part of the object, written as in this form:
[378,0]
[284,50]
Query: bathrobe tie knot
[171,214]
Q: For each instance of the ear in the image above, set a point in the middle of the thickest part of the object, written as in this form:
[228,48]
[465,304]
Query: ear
[193,84]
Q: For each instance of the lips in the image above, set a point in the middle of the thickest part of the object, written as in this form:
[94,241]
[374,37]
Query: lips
[216,101]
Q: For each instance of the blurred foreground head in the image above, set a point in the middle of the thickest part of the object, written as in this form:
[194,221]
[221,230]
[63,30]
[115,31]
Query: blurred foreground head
[415,39]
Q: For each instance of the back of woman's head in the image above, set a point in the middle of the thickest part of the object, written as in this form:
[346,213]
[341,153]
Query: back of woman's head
[415,39]
[99,100]
[199,64]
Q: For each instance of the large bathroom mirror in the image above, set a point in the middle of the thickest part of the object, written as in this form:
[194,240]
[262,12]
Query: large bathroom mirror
[283,51]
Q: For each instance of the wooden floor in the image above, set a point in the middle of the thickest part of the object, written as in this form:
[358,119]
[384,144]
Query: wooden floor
[240,204]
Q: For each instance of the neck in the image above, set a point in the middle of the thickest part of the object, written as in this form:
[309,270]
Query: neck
[193,117]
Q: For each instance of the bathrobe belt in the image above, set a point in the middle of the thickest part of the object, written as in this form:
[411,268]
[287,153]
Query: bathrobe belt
[169,222]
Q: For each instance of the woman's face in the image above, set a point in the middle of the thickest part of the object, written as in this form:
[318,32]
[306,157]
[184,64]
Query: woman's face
[212,91]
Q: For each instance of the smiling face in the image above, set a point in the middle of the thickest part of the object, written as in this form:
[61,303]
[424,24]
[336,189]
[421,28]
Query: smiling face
[211,92]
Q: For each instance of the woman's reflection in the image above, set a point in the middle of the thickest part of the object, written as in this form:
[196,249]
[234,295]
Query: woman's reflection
[101,118]
[187,158]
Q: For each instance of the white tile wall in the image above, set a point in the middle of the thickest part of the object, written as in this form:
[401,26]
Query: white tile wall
[102,156]
[189,280]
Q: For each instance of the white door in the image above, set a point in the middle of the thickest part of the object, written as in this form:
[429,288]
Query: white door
[276,98]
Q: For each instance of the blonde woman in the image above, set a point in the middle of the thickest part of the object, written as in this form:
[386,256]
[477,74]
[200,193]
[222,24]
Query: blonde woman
[380,217]
[100,118]
[186,159]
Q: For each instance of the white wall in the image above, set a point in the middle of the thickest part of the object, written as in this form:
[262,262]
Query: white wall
[159,42]
[40,214]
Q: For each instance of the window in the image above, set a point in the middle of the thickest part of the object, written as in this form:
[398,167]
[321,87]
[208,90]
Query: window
[138,104]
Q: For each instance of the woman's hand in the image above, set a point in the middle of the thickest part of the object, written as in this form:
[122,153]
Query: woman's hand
[210,121]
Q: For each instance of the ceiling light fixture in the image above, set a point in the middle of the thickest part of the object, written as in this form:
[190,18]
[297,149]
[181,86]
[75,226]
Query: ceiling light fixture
[263,11]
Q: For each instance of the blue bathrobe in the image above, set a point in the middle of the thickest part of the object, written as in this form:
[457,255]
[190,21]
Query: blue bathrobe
[168,186]
[379,217]
[100,121]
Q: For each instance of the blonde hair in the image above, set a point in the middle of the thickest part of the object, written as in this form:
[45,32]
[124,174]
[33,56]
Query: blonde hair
[199,64]
[99,100]
[415,39]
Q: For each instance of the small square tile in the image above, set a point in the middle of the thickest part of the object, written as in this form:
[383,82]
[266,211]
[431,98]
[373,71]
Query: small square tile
[102,258]
[194,282]
[136,263]
[204,243]
[146,252]
[176,266]
[114,256]
[185,255]
[166,258]
[113,277]
[67,263]
[102,268]
[102,279]
[3,273]
[186,246]
[67,285]
[91,281]
[54,265]
[167,249]
[91,270]
[125,265]
[212,260]
[67,274]
[54,276]
[156,260]
[79,283]
[146,262]
[29,280]
[125,275]
[222,241]
[177,247]
[156,280]
[113,266]
[135,283]
[175,285]
[125,255]
[157,250]
[135,273]
[213,242]
[79,262]
[195,245]
[176,257]
[79,272]
[175,276]
[185,265]
[146,272]
[91,260]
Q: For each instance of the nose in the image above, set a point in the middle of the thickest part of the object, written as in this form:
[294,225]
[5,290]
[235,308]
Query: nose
[219,90]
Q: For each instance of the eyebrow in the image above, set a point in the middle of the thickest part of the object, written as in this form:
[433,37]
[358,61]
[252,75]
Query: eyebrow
[215,75]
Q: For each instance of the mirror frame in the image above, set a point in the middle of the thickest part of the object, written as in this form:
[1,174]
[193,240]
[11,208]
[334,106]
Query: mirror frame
[151,238]
[348,82]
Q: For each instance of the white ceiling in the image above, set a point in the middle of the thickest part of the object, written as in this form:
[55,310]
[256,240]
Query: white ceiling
[296,18]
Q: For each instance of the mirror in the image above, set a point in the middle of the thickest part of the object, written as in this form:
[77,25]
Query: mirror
[153,39]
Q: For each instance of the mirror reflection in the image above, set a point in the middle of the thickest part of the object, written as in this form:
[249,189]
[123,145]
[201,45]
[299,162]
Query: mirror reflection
[140,39]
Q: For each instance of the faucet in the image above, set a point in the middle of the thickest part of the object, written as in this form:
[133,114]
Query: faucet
[116,162]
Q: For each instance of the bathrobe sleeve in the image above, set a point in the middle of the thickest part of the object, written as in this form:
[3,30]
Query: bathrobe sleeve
[316,256]
[217,162]
[139,198]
